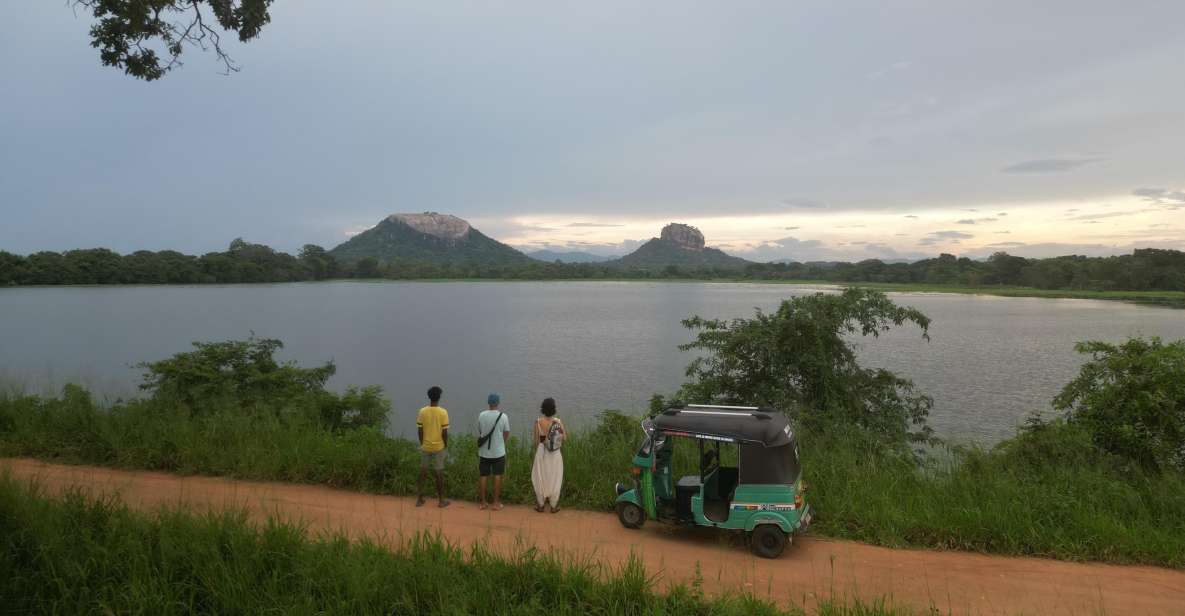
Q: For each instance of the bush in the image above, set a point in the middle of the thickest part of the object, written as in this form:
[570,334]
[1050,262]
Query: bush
[1130,398]
[244,374]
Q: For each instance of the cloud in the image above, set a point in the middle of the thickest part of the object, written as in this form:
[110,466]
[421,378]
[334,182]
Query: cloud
[944,237]
[1002,214]
[1170,199]
[1049,165]
[792,228]
[895,67]
[965,221]
[1003,232]
[972,221]
[910,216]
[804,203]
[1005,244]
[1108,215]
[794,249]
[591,224]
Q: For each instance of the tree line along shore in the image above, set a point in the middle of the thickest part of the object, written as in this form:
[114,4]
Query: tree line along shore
[1146,275]
[1103,480]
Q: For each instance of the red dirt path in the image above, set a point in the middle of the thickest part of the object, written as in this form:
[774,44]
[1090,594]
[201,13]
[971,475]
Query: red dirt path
[810,569]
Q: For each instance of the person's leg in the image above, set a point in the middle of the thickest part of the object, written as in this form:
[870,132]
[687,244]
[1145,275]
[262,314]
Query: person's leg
[424,460]
[499,469]
[440,479]
[482,471]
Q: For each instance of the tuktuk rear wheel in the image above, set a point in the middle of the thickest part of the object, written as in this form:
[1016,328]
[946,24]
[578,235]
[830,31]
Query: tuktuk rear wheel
[768,540]
[631,515]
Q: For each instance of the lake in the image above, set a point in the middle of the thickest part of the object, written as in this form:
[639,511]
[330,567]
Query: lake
[591,345]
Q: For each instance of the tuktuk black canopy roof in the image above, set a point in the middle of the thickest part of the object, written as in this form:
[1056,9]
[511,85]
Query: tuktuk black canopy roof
[735,424]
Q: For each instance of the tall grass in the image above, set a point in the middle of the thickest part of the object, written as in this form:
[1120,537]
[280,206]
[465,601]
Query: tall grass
[1046,495]
[79,555]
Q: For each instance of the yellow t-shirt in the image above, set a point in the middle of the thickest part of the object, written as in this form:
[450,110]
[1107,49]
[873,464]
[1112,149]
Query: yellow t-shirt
[433,420]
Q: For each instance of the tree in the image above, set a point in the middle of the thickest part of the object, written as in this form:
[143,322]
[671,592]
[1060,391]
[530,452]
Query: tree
[1131,399]
[366,267]
[242,373]
[798,359]
[128,33]
[11,268]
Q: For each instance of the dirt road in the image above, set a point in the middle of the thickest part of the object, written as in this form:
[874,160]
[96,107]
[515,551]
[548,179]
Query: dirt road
[810,569]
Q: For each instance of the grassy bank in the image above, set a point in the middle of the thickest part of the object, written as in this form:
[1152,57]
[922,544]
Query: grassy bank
[1048,495]
[78,555]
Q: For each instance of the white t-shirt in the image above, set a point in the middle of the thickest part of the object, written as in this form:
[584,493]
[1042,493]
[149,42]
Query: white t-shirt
[496,446]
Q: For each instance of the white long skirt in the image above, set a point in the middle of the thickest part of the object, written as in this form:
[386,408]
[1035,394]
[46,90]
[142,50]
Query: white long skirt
[547,475]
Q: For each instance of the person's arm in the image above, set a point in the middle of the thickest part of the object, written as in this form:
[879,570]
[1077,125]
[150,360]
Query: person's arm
[444,429]
[420,434]
[505,429]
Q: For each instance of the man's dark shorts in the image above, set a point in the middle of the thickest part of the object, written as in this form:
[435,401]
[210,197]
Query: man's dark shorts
[491,466]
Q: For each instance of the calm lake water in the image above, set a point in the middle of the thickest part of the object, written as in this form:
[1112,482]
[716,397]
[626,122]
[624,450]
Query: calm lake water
[591,345]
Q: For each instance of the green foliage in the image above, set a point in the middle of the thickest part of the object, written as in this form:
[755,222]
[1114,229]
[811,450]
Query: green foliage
[1130,398]
[127,30]
[1148,276]
[221,374]
[1048,492]
[797,359]
[244,375]
[83,555]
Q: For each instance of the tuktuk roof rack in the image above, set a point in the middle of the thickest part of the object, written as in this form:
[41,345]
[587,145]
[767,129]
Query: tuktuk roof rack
[719,409]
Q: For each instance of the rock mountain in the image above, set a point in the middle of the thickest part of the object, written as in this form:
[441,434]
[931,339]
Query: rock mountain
[428,237]
[681,246]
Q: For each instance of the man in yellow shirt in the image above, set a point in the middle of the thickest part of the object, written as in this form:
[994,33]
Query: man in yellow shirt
[432,429]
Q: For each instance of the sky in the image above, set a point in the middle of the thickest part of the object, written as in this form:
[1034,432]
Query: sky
[804,130]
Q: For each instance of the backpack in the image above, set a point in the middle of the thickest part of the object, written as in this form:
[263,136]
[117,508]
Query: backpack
[555,437]
[482,440]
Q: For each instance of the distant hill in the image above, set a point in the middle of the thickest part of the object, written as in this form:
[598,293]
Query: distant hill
[428,237]
[552,256]
[681,246]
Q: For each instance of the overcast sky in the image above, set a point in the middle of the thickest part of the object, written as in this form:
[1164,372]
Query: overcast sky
[799,130]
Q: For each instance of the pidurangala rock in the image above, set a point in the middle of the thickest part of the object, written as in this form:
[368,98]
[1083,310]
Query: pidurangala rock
[685,236]
[444,226]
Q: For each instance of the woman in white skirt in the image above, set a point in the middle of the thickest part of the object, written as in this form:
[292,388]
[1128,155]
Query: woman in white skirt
[547,475]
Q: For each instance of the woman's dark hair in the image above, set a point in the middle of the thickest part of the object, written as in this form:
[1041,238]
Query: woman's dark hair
[434,393]
[548,407]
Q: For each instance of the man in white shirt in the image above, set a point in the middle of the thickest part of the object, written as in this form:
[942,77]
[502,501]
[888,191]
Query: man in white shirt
[493,430]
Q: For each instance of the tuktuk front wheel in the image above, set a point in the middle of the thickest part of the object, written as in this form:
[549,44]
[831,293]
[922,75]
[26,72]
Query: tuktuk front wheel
[631,515]
[768,540]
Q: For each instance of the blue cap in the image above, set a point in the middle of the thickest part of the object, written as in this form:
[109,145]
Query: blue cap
[493,399]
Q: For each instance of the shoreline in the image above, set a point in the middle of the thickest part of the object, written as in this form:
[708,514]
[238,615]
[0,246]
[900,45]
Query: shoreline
[1165,299]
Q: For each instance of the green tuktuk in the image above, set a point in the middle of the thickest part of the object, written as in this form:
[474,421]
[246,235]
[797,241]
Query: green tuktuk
[762,496]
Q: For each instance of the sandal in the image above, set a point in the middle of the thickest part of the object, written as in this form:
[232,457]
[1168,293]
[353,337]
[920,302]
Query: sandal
[539,508]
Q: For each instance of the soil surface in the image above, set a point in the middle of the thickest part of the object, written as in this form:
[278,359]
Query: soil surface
[810,569]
